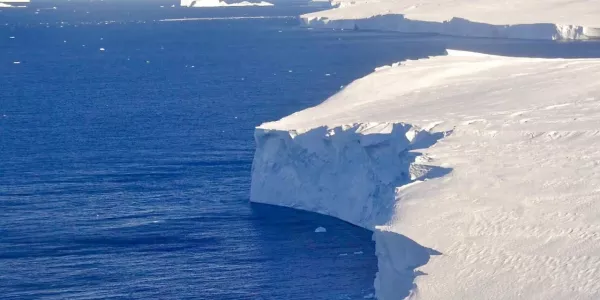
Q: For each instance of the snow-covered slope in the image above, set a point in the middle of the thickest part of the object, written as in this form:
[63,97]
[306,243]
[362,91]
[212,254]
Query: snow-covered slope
[479,175]
[530,19]
[219,3]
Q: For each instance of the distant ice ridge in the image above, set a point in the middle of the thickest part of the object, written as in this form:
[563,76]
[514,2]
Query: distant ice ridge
[523,19]
[219,3]
[479,175]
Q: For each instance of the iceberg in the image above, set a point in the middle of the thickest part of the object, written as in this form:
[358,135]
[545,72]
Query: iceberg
[13,3]
[219,3]
[320,229]
[529,19]
[479,175]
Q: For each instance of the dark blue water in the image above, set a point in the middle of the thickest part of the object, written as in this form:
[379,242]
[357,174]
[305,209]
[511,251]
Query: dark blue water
[125,173]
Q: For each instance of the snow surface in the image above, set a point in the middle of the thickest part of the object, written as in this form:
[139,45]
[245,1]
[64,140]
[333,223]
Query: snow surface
[219,3]
[528,19]
[479,175]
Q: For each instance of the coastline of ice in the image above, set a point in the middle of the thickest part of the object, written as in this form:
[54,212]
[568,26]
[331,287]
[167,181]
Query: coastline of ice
[477,174]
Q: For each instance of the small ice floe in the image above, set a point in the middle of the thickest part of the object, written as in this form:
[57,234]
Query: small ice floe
[327,74]
[147,61]
[320,230]
[16,62]
[343,254]
[102,49]
[369,296]
[358,253]
[290,71]
[12,37]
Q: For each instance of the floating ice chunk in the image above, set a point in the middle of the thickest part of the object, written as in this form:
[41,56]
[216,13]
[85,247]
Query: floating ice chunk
[102,49]
[12,37]
[327,74]
[369,296]
[17,62]
[343,254]
[358,253]
[320,229]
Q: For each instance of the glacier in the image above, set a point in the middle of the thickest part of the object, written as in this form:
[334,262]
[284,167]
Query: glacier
[479,175]
[530,19]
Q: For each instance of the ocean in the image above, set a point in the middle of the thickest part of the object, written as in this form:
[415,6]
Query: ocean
[126,146]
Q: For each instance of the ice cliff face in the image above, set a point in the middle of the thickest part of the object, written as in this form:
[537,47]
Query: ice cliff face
[349,171]
[531,19]
[479,175]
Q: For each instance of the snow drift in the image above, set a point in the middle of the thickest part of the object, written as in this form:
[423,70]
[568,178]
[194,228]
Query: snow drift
[219,3]
[479,175]
[530,19]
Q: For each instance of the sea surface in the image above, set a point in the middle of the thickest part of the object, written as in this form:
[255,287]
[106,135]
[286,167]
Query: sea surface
[126,146]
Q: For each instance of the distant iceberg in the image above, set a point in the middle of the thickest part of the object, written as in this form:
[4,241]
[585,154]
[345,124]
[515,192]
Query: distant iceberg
[218,3]
[13,3]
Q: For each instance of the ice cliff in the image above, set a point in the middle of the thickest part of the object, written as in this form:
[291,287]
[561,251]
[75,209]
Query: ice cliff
[479,175]
[529,19]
